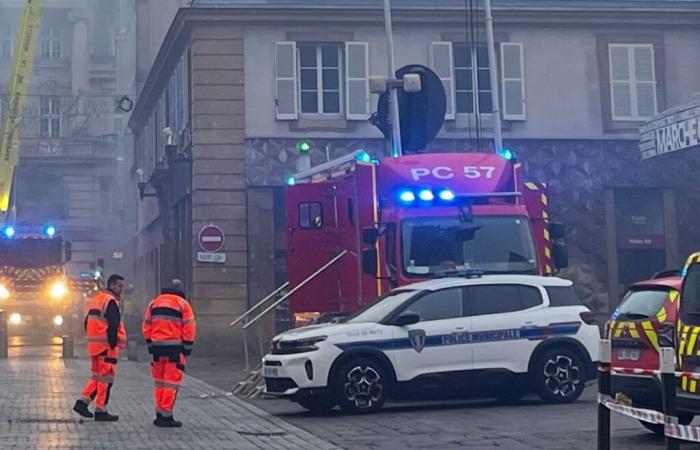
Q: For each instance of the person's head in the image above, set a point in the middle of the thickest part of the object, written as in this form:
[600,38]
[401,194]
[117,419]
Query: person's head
[175,287]
[115,283]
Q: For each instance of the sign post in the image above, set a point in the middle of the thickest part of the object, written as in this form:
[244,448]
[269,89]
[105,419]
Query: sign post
[211,240]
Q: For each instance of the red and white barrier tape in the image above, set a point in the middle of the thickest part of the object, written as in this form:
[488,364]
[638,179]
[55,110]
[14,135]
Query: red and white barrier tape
[636,371]
[671,429]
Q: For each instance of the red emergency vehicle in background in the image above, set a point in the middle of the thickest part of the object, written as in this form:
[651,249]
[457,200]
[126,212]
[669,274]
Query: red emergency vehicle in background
[358,227]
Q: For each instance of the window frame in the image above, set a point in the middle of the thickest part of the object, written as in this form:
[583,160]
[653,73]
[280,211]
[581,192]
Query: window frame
[634,98]
[8,36]
[320,112]
[51,119]
[51,41]
[476,92]
[410,302]
[310,219]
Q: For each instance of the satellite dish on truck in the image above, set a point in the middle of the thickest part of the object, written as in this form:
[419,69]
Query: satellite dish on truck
[421,113]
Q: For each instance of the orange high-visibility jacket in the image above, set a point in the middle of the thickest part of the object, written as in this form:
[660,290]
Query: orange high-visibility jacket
[169,324]
[96,324]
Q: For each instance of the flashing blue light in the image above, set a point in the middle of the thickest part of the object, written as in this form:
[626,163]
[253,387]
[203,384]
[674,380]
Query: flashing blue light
[684,272]
[291,181]
[50,231]
[407,197]
[446,195]
[507,154]
[363,156]
[9,231]
[426,195]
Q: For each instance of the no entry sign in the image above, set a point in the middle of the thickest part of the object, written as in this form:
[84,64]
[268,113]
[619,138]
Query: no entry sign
[211,239]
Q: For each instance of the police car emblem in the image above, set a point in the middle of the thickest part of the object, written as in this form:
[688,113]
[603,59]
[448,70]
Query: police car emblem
[417,338]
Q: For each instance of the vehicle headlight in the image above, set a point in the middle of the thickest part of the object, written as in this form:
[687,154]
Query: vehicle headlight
[58,290]
[15,319]
[4,292]
[281,347]
[58,320]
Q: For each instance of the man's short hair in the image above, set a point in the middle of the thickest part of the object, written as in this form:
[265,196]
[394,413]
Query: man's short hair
[113,279]
[176,284]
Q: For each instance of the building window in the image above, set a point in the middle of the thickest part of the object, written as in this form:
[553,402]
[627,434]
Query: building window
[632,81]
[50,117]
[51,47]
[320,78]
[472,87]
[7,45]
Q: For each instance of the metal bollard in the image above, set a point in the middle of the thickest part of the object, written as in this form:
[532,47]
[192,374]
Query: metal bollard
[132,350]
[604,391]
[667,368]
[3,335]
[67,343]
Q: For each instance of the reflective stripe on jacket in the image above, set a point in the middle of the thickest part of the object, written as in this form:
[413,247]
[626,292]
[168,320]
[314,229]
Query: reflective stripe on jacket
[96,324]
[169,322]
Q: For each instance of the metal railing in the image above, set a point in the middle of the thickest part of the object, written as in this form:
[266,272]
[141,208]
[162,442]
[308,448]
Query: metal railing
[243,318]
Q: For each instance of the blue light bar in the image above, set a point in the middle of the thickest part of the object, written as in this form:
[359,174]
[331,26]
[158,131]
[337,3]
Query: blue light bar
[507,154]
[407,197]
[446,195]
[8,231]
[426,195]
[363,156]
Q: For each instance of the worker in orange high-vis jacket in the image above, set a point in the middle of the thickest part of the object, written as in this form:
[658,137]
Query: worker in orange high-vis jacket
[169,329]
[105,336]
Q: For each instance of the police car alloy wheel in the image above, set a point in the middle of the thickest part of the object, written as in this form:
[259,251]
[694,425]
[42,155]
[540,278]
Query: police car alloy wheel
[559,376]
[361,386]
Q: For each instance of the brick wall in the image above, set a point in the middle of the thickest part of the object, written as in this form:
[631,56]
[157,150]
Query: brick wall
[218,181]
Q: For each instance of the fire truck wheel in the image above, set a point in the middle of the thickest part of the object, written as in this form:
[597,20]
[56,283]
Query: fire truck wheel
[316,404]
[559,376]
[361,386]
[658,429]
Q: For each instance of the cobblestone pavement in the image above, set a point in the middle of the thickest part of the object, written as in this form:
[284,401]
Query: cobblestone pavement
[453,425]
[37,395]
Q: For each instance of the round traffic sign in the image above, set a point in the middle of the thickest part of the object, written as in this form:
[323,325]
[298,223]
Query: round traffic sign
[211,238]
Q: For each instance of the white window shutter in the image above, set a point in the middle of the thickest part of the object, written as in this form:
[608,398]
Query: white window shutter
[513,81]
[620,82]
[286,80]
[442,62]
[357,80]
[645,80]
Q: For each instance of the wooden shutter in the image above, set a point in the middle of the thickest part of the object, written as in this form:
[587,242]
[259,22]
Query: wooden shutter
[620,82]
[442,62]
[357,80]
[644,81]
[286,80]
[513,81]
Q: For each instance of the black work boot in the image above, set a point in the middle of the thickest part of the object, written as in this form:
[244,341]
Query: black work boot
[166,422]
[105,417]
[82,408]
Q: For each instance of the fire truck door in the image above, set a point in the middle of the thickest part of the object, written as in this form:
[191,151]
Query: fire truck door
[312,241]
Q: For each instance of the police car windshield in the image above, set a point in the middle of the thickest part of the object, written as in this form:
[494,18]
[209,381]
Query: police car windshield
[381,308]
[502,244]
[642,303]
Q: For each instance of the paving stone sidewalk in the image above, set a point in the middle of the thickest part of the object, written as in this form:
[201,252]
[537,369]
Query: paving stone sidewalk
[37,394]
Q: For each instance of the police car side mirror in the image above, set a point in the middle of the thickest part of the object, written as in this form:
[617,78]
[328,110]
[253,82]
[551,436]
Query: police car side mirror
[407,318]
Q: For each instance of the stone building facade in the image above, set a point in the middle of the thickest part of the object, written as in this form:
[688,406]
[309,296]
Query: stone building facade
[240,85]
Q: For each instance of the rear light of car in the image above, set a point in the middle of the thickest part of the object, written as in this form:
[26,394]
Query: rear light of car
[588,317]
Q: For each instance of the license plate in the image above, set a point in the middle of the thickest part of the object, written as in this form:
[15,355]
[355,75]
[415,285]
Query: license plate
[271,372]
[628,354]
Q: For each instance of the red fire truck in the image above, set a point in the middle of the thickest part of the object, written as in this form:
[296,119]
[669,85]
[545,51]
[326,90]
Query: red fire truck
[358,227]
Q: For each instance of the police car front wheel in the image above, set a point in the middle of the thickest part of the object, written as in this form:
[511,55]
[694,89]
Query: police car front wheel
[361,386]
[559,376]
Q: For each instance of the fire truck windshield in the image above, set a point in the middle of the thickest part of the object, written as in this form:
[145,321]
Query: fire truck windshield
[30,253]
[501,244]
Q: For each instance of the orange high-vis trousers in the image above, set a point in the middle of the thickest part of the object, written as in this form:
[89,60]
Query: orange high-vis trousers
[167,376]
[100,383]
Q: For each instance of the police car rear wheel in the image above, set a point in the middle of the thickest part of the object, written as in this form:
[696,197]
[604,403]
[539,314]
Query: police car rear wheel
[360,386]
[559,376]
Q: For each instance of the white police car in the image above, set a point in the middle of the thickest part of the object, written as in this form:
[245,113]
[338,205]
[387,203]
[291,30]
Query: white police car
[498,335]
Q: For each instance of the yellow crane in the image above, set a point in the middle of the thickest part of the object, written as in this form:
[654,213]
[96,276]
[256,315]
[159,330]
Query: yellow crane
[16,99]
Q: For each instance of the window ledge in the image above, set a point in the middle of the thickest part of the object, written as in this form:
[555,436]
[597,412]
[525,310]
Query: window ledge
[466,122]
[319,124]
[624,126]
